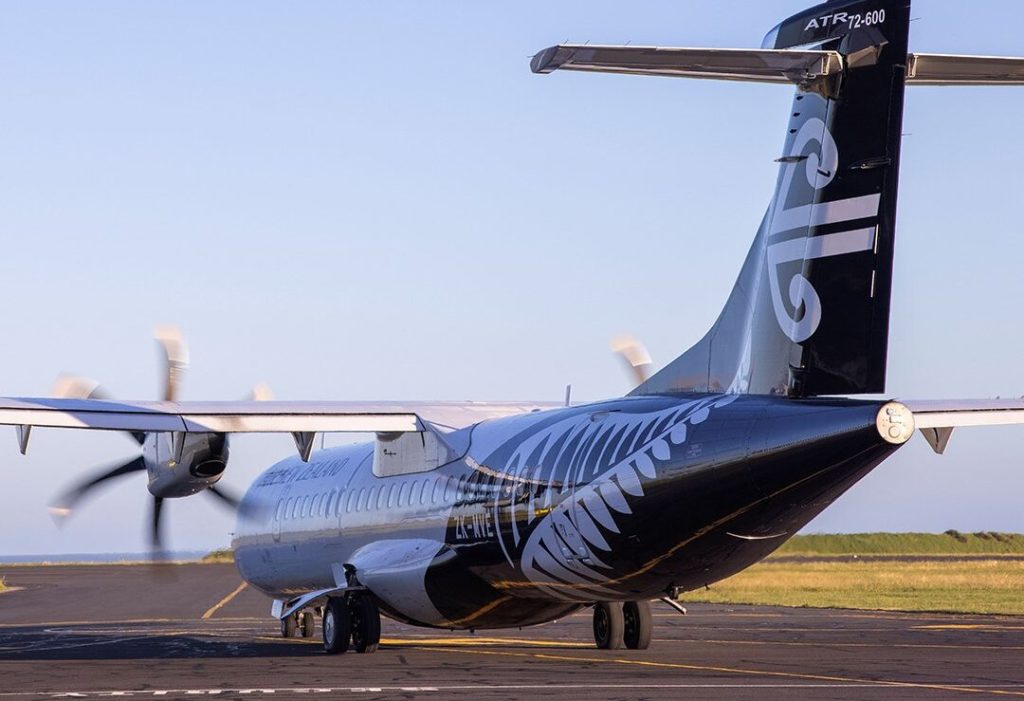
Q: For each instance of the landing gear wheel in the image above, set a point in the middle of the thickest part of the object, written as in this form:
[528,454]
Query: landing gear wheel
[636,620]
[307,624]
[336,626]
[288,625]
[365,624]
[608,625]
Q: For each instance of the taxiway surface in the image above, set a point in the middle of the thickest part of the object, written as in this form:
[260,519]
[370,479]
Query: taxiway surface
[192,630]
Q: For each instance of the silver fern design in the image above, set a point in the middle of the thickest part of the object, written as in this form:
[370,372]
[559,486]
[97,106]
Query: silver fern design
[610,455]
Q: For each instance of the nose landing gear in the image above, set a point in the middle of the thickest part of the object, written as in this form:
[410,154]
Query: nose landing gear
[617,625]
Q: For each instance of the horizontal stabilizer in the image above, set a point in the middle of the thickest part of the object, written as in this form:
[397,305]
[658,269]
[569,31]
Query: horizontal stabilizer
[936,419]
[769,65]
[757,65]
[945,69]
[978,412]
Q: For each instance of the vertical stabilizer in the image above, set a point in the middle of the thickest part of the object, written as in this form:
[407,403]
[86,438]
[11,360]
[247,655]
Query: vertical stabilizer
[809,314]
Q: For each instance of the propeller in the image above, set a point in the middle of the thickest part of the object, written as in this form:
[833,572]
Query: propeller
[635,355]
[174,354]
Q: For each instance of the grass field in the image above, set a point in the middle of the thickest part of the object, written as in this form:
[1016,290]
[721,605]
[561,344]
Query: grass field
[977,586]
[222,555]
[948,543]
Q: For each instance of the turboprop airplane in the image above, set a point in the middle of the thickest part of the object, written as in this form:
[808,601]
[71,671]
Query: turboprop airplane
[490,515]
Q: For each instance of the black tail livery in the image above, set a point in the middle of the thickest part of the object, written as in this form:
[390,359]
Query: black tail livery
[809,314]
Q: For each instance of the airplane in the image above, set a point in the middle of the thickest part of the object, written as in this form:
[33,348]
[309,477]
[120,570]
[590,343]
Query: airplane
[478,515]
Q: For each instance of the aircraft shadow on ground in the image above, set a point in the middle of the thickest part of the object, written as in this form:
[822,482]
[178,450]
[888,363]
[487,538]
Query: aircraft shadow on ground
[48,643]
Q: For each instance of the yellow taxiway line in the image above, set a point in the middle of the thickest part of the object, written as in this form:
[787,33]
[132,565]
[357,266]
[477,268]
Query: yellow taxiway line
[223,602]
[735,670]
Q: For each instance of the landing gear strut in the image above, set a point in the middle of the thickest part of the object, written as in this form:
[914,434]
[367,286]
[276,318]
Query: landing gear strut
[626,624]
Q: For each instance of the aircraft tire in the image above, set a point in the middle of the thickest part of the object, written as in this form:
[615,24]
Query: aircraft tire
[288,625]
[336,627]
[307,624]
[637,624]
[365,624]
[608,625]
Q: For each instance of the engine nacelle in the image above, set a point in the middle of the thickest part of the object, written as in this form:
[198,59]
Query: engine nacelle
[201,463]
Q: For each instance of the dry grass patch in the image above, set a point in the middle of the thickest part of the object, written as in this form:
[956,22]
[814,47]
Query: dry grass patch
[984,586]
[222,555]
[948,543]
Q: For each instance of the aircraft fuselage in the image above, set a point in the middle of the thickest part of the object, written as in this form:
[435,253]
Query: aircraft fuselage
[538,514]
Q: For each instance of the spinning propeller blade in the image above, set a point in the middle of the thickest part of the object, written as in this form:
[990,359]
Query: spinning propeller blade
[635,356]
[174,353]
[65,504]
[175,356]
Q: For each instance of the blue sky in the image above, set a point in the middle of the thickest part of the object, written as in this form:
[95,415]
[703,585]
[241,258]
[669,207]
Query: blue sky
[380,201]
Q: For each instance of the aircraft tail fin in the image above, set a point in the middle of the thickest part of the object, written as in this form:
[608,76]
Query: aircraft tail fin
[809,314]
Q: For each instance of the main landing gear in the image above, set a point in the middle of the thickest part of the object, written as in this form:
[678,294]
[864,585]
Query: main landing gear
[617,625]
[353,619]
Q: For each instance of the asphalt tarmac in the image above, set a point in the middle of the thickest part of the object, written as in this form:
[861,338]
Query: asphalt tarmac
[192,630]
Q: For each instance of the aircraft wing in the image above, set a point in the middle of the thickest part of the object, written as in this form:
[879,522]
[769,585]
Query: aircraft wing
[936,419]
[253,416]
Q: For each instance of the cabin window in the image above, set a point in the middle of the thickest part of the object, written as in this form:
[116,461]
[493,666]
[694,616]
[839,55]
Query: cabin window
[295,507]
[361,504]
[279,511]
[449,492]
[381,499]
[371,500]
[391,496]
[348,501]
[436,492]
[403,492]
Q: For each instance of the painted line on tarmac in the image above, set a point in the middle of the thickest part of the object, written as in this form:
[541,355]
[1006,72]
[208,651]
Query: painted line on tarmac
[834,643]
[225,601]
[879,683]
[446,689]
[481,640]
[984,627]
